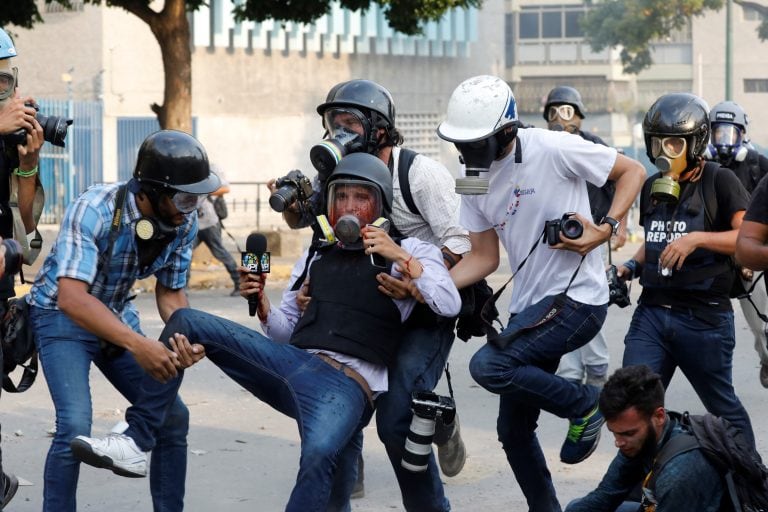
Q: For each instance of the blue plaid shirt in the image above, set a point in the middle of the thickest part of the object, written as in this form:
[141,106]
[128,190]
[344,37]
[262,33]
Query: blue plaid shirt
[82,245]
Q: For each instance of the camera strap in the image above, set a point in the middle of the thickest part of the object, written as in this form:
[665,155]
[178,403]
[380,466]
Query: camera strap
[490,305]
[30,248]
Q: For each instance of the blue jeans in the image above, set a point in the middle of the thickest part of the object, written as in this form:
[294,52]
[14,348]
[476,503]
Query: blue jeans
[523,373]
[700,344]
[66,353]
[419,366]
[329,407]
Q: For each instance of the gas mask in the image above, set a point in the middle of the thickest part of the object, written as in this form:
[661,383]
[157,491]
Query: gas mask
[348,132]
[563,118]
[8,82]
[670,158]
[477,157]
[352,204]
[727,140]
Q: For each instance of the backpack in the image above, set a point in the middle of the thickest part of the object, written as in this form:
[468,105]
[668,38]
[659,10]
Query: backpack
[18,345]
[744,475]
[219,206]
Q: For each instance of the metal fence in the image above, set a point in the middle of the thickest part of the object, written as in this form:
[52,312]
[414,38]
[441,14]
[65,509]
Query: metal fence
[66,172]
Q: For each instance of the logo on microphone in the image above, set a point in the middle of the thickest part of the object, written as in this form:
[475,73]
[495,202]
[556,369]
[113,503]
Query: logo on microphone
[256,263]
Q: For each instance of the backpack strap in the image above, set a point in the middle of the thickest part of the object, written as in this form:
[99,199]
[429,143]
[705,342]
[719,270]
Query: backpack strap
[404,163]
[680,443]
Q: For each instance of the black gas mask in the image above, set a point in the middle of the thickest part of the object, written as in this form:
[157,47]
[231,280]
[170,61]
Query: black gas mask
[477,157]
[344,126]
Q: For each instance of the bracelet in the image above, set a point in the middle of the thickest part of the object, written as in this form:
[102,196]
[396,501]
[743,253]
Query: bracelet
[25,174]
[449,259]
[407,264]
[634,267]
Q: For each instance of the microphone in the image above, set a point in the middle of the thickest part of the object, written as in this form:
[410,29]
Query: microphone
[256,260]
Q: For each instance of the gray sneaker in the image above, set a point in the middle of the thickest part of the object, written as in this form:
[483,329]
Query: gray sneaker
[451,454]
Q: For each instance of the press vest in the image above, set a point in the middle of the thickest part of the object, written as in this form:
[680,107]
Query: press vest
[347,313]
[664,222]
[6,217]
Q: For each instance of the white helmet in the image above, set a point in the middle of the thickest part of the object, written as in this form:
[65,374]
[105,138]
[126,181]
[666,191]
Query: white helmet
[479,107]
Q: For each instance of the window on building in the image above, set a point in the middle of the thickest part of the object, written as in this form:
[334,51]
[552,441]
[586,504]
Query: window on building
[529,25]
[756,85]
[55,7]
[572,23]
[552,25]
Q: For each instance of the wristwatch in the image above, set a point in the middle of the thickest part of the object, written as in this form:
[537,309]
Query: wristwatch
[613,222]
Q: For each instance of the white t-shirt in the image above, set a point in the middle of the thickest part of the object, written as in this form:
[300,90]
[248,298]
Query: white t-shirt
[548,182]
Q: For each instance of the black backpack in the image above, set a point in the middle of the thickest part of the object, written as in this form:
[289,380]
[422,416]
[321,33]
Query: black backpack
[219,206]
[18,345]
[744,475]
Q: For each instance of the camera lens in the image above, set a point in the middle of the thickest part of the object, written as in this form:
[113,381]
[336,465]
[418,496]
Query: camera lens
[418,444]
[54,128]
[13,257]
[283,197]
[572,228]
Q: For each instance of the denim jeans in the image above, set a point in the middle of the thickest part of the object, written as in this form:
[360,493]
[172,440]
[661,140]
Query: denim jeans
[419,366]
[66,353]
[523,373]
[700,344]
[329,407]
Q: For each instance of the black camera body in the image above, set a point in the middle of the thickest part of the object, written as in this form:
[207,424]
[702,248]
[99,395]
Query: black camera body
[54,129]
[568,225]
[618,292]
[427,408]
[290,188]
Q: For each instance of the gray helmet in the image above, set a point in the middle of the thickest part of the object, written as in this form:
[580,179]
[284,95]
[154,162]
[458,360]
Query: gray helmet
[564,95]
[729,112]
[363,94]
[363,166]
[678,114]
[174,160]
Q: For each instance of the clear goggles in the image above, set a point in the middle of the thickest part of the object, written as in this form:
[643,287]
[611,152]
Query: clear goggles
[726,134]
[344,120]
[564,112]
[186,203]
[8,82]
[354,197]
[673,147]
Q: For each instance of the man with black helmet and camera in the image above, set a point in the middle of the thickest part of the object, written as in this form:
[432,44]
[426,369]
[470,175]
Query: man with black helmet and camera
[516,182]
[730,148]
[18,179]
[359,116]
[564,111]
[323,367]
[81,309]
[691,212]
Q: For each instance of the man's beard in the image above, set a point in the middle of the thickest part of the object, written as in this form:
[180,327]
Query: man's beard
[649,445]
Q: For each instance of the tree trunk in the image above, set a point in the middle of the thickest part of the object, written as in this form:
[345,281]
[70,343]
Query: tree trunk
[171,29]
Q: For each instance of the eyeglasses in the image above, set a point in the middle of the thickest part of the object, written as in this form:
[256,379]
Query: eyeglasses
[565,112]
[8,83]
[673,147]
[186,203]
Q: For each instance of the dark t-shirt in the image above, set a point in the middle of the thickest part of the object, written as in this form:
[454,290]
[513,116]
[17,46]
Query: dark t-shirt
[758,206]
[6,220]
[731,198]
[751,170]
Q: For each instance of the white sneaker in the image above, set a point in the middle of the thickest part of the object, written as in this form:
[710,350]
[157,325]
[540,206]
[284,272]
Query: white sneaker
[116,452]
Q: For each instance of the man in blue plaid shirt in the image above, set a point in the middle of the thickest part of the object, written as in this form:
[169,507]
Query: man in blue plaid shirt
[81,312]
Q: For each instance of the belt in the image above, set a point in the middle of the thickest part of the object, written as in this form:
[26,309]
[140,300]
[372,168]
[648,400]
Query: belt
[351,373]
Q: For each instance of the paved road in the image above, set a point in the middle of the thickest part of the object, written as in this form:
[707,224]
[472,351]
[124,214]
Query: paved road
[243,456]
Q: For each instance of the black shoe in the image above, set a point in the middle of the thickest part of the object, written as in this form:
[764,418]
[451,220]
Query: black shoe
[235,292]
[10,488]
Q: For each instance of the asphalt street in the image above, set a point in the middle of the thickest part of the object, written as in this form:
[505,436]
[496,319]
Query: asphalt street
[243,456]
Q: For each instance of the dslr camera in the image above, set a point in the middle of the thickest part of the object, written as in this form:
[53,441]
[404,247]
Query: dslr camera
[568,225]
[290,188]
[54,129]
[618,292]
[427,407]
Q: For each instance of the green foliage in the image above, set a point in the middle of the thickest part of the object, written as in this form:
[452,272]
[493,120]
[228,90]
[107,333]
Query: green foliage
[634,24]
[22,13]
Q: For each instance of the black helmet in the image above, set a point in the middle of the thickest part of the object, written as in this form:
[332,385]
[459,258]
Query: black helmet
[366,167]
[175,160]
[362,94]
[678,114]
[564,95]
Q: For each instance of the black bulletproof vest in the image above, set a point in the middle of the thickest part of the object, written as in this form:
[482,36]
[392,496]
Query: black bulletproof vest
[347,313]
[665,221]
[6,218]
